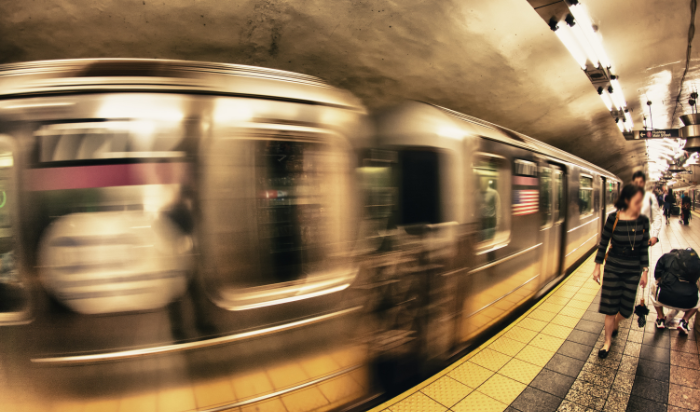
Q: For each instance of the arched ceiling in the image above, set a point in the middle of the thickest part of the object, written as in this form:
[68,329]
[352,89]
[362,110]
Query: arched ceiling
[497,59]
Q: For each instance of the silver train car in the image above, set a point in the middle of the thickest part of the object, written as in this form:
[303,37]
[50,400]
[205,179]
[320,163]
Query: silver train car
[480,218]
[185,236]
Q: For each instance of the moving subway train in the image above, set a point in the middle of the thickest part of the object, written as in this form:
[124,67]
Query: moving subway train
[198,236]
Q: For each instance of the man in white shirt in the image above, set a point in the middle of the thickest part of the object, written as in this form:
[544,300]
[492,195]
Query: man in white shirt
[650,207]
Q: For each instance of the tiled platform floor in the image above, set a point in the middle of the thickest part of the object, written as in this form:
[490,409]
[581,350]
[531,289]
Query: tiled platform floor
[547,359]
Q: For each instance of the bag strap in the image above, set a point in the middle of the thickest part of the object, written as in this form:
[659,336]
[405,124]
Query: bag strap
[617,217]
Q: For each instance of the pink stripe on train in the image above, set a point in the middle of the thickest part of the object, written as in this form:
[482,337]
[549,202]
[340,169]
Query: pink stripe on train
[85,177]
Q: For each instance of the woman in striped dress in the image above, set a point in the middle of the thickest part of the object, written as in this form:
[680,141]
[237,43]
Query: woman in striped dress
[627,262]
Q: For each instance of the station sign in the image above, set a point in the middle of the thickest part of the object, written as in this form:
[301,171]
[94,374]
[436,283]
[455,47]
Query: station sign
[652,134]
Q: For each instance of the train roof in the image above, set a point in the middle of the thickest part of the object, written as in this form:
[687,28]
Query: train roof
[47,77]
[506,135]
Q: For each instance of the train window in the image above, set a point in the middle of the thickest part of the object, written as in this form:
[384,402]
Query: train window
[420,187]
[375,180]
[546,195]
[492,176]
[276,218]
[585,195]
[295,211]
[375,183]
[97,142]
[13,292]
[610,194]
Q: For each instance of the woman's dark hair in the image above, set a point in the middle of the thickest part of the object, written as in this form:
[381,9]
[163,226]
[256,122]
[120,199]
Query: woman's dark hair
[639,173]
[627,193]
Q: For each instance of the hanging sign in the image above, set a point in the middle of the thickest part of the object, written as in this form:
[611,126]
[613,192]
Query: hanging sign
[652,134]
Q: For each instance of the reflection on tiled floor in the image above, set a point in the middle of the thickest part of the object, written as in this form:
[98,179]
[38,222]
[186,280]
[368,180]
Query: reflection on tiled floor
[547,361]
[170,384]
[504,369]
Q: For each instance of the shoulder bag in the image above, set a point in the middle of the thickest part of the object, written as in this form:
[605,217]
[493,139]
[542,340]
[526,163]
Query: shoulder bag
[617,217]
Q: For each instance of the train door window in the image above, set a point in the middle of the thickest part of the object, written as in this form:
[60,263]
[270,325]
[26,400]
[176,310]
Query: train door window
[559,188]
[585,195]
[546,195]
[296,208]
[609,194]
[275,217]
[492,198]
[13,292]
[420,187]
[374,177]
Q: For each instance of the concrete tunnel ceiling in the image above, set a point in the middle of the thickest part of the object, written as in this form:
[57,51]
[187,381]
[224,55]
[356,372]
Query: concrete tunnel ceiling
[497,60]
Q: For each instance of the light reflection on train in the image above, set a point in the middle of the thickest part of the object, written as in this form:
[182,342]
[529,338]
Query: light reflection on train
[182,235]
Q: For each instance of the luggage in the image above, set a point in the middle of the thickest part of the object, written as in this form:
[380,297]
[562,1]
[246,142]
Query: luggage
[677,273]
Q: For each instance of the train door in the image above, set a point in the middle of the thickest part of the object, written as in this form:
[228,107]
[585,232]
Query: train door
[14,288]
[604,205]
[559,216]
[551,193]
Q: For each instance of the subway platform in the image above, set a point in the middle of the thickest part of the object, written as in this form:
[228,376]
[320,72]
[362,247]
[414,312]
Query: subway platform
[546,360]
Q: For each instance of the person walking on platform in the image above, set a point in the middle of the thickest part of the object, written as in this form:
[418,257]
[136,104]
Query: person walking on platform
[626,263]
[669,201]
[650,207]
[685,208]
[660,197]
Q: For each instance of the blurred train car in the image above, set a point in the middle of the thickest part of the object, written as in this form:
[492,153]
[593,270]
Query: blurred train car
[474,220]
[182,236]
[198,236]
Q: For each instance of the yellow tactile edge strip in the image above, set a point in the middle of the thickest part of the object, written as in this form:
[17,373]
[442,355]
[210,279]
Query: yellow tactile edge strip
[497,391]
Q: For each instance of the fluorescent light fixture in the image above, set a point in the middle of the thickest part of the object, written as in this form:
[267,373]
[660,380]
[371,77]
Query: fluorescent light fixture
[615,99]
[618,90]
[606,99]
[619,102]
[620,125]
[581,16]
[628,121]
[564,34]
[584,44]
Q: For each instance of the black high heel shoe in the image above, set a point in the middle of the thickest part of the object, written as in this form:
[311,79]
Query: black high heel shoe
[602,354]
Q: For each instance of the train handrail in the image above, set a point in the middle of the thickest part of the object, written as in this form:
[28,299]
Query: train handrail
[580,226]
[181,347]
[509,257]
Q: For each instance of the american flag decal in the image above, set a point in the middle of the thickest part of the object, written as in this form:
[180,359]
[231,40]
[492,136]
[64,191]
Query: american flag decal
[525,202]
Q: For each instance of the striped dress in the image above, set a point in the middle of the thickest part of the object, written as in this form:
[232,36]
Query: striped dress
[628,254]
